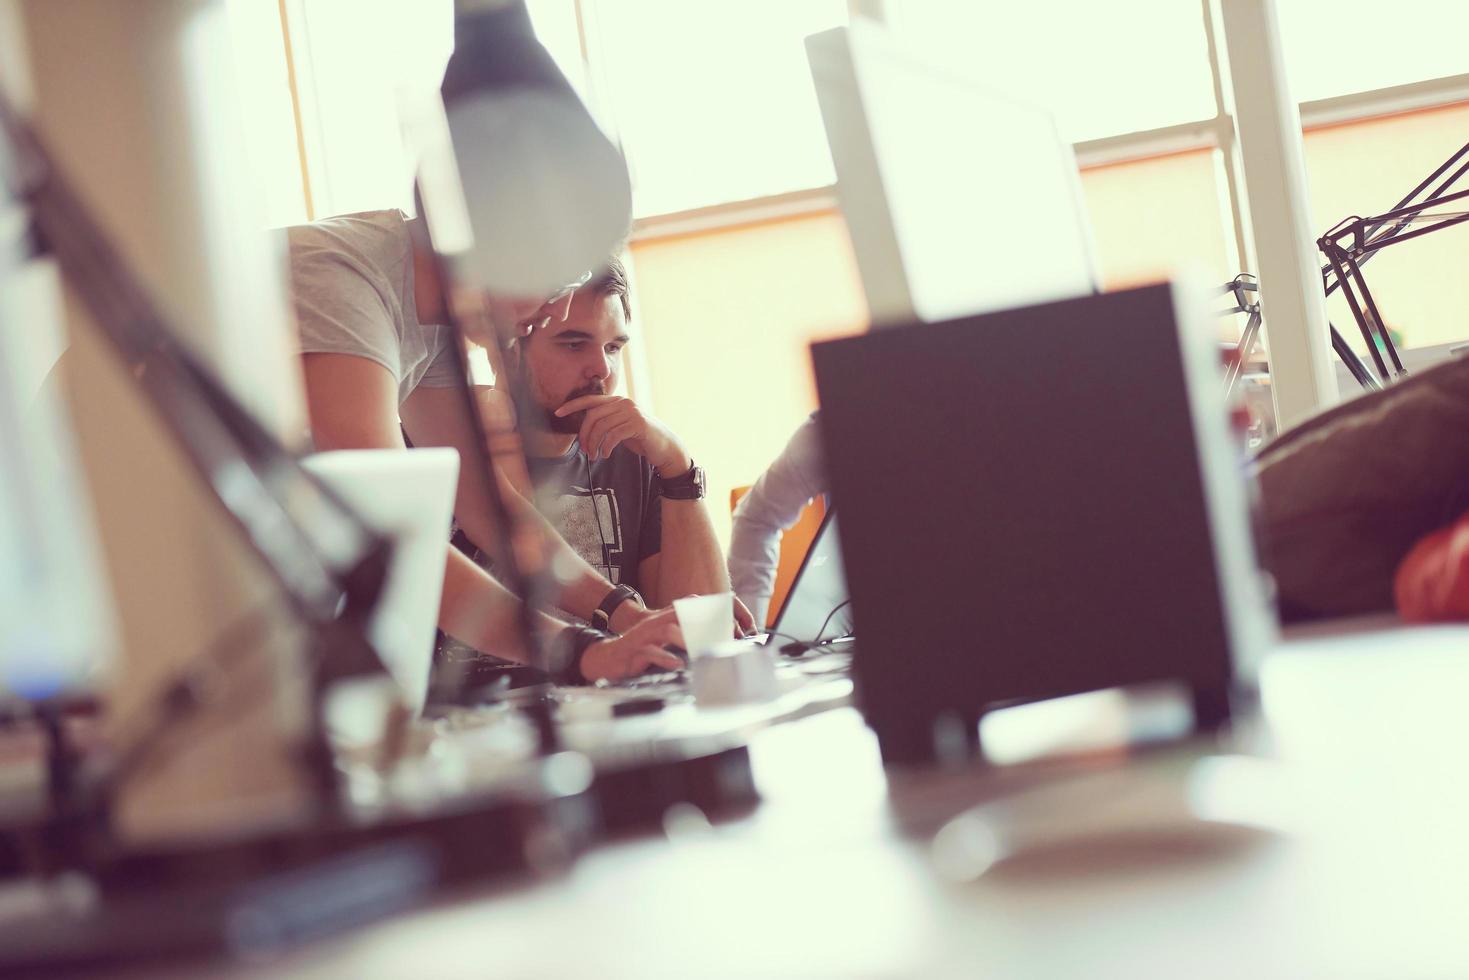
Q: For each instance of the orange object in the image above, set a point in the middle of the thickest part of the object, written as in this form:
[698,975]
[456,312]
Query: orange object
[1432,582]
[793,547]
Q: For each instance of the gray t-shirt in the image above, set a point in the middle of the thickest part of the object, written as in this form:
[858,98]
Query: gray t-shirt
[352,282]
[609,510]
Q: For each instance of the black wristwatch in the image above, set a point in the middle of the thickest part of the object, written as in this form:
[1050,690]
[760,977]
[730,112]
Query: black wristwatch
[602,616]
[564,653]
[689,486]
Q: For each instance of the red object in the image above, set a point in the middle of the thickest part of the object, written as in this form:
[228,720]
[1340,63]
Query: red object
[1432,582]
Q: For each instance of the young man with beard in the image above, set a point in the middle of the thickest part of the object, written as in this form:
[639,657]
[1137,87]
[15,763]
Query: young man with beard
[617,485]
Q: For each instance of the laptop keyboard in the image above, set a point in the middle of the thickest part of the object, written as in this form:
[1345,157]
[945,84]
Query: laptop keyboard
[643,681]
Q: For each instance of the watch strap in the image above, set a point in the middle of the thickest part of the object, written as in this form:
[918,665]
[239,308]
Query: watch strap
[564,653]
[686,486]
[602,617]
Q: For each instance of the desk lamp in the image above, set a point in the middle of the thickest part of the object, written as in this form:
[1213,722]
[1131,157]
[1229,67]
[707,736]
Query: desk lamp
[1349,244]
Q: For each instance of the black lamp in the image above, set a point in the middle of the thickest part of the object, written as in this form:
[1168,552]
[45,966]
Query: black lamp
[1349,244]
[546,193]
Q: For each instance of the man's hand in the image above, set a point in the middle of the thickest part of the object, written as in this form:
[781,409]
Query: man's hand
[612,420]
[636,650]
[629,614]
[744,621]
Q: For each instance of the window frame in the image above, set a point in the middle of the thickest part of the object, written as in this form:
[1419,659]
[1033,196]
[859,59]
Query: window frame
[1217,133]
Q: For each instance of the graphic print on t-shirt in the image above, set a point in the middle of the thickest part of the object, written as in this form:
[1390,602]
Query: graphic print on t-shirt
[591,523]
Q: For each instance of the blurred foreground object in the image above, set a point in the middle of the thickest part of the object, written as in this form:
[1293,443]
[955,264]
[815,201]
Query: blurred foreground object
[1345,495]
[58,627]
[1031,490]
[149,139]
[1432,583]
[543,195]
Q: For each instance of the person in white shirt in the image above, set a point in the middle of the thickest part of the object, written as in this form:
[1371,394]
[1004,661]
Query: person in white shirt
[762,516]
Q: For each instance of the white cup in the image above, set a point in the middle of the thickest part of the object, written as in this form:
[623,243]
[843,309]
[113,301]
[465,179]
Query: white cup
[737,672]
[706,621]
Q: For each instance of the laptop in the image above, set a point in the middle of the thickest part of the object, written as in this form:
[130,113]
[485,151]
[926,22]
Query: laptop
[409,495]
[817,610]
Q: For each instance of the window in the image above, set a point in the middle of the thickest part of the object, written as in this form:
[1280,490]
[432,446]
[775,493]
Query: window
[1100,67]
[556,27]
[1334,48]
[263,82]
[1151,217]
[713,102]
[1365,168]
[355,60]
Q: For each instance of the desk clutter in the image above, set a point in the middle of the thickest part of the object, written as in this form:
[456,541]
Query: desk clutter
[1320,833]
[473,796]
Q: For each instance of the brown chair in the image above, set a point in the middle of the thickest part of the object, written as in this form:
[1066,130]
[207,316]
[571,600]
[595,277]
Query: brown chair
[793,547]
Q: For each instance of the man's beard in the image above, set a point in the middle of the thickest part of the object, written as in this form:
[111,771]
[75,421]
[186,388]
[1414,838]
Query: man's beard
[571,424]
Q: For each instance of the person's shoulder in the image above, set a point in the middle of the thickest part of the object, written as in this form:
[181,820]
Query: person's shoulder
[357,230]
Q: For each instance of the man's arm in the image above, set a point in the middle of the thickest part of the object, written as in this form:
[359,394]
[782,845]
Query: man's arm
[352,403]
[689,562]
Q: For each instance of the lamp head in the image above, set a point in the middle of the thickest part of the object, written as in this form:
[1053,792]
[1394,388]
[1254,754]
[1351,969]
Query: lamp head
[546,193]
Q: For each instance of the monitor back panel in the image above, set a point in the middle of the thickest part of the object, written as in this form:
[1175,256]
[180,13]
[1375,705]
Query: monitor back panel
[1023,507]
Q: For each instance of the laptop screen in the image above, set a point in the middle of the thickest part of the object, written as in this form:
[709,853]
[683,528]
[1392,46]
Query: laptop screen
[817,608]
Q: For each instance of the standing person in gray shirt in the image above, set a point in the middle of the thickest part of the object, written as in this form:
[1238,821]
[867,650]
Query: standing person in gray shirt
[376,363]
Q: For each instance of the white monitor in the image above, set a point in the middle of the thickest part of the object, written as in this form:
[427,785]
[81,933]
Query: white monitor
[959,199]
[407,494]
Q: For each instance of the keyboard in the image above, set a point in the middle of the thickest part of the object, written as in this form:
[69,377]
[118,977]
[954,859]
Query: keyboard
[666,678]
[475,680]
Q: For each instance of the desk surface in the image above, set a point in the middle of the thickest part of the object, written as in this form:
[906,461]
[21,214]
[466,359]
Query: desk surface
[1328,841]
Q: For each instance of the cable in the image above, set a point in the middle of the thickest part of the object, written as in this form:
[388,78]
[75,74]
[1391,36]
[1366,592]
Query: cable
[596,514]
[807,645]
[827,621]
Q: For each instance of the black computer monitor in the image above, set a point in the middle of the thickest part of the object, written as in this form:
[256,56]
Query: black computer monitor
[1037,502]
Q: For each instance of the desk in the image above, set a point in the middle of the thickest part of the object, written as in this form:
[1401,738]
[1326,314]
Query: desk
[1346,855]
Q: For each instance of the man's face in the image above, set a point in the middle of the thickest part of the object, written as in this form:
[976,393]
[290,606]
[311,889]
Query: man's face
[566,359]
